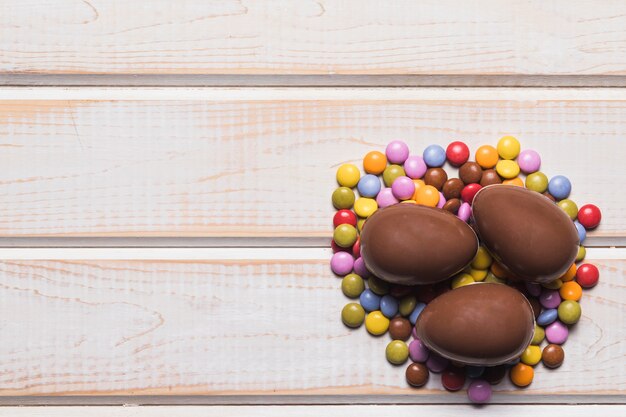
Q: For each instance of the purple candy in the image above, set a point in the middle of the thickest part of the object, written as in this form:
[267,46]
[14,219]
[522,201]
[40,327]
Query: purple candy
[442,200]
[385,198]
[397,152]
[533,289]
[342,263]
[418,352]
[360,269]
[403,188]
[465,211]
[550,298]
[414,333]
[557,333]
[415,167]
[479,391]
[436,363]
[529,161]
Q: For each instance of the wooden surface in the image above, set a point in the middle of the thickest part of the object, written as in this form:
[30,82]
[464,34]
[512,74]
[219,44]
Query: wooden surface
[313,37]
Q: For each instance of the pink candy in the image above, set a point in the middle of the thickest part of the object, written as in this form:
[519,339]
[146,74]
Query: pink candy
[403,188]
[415,167]
[529,161]
[385,198]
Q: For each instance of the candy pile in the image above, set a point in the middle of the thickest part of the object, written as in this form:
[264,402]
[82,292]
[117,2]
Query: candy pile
[394,309]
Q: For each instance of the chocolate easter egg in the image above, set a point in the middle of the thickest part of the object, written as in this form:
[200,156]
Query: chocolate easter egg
[527,233]
[410,244]
[478,324]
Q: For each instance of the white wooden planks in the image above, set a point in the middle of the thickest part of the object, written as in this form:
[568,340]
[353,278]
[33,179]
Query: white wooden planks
[312,37]
[261,162]
[226,328]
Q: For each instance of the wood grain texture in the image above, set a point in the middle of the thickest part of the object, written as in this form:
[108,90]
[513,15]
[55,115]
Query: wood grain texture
[250,167]
[246,328]
[313,37]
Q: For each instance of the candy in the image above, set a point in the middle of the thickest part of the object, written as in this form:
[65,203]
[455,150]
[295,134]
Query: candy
[385,198]
[391,173]
[532,355]
[374,162]
[345,235]
[490,177]
[538,336]
[464,212]
[341,263]
[494,374]
[533,288]
[352,285]
[378,286]
[486,156]
[478,274]
[557,333]
[415,167]
[389,306]
[435,177]
[452,205]
[517,182]
[369,300]
[419,307]
[522,375]
[365,207]
[462,280]
[376,323]
[560,187]
[356,249]
[470,172]
[582,252]
[403,188]
[442,200]
[571,291]
[343,198]
[400,329]
[453,378]
[537,181]
[397,352]
[479,391]
[434,156]
[457,153]
[570,274]
[369,186]
[569,207]
[569,312]
[547,316]
[397,152]
[407,305]
[589,216]
[552,356]
[344,217]
[359,267]
[452,188]
[550,298]
[348,175]
[582,232]
[469,192]
[436,363]
[507,169]
[529,161]
[474,371]
[418,351]
[352,315]
[587,275]
[508,147]
[417,374]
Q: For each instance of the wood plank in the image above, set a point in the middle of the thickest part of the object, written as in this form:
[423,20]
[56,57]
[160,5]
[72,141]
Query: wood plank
[260,163]
[236,331]
[313,37]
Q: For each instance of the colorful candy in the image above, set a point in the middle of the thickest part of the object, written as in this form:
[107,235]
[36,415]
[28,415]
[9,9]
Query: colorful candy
[417,374]
[374,163]
[434,156]
[529,161]
[352,315]
[560,187]
[552,356]
[397,152]
[376,323]
[352,285]
[457,153]
[348,175]
[369,186]
[589,216]
[397,352]
[587,275]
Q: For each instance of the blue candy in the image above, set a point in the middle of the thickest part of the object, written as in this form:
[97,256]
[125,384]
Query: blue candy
[369,185]
[369,301]
[547,316]
[389,306]
[474,371]
[434,156]
[416,312]
[582,232]
[559,187]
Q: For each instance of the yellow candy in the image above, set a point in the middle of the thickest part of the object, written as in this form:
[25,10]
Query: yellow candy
[376,323]
[492,278]
[365,207]
[554,285]
[507,169]
[359,225]
[482,260]
[409,201]
[478,274]
[532,355]
[508,147]
[427,196]
[538,336]
[348,175]
[462,280]
[517,181]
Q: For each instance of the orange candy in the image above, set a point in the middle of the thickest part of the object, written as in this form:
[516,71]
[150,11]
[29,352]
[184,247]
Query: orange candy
[374,162]
[498,270]
[418,184]
[571,290]
[487,156]
[514,181]
[427,196]
[570,274]
[522,375]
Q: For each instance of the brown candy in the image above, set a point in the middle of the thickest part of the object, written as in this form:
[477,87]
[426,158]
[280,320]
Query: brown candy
[531,237]
[417,374]
[536,305]
[479,324]
[400,328]
[549,197]
[435,177]
[490,177]
[452,188]
[452,205]
[470,172]
[494,374]
[552,356]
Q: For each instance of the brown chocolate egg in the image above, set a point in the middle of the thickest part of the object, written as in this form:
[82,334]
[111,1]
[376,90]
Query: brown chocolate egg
[410,244]
[528,234]
[479,324]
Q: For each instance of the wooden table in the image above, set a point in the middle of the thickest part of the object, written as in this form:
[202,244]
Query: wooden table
[166,170]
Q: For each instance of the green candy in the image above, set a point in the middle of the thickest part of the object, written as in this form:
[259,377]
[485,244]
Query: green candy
[343,198]
[538,336]
[345,235]
[407,305]
[391,173]
[537,181]
[553,285]
[569,311]
[492,278]
[582,252]
[397,352]
[569,207]
[353,315]
[378,286]
[352,285]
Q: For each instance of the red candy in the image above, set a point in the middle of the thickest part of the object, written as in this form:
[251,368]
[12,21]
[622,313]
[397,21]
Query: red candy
[587,275]
[344,217]
[457,153]
[336,248]
[469,191]
[589,216]
[453,378]
[356,248]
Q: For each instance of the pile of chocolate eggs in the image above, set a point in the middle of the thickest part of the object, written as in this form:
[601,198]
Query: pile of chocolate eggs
[470,276]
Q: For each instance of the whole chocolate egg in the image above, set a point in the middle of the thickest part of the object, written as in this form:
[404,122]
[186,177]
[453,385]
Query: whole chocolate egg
[479,324]
[411,244]
[527,233]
